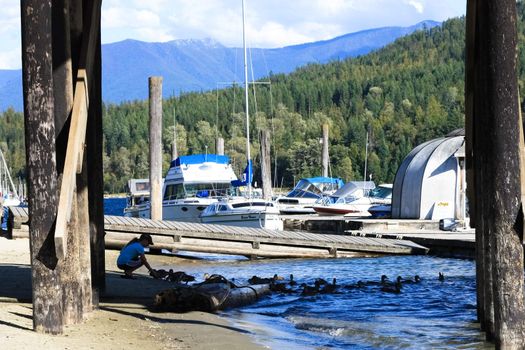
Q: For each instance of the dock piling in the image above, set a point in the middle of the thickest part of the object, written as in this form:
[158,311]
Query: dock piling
[155,146]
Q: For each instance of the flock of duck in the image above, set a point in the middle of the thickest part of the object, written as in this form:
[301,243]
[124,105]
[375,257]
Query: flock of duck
[321,286]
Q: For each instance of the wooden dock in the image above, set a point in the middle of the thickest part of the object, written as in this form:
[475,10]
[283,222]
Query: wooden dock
[250,241]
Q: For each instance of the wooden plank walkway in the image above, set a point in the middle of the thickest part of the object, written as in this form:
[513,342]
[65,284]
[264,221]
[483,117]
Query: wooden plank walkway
[250,241]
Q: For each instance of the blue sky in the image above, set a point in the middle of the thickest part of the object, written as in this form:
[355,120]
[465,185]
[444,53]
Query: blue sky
[270,23]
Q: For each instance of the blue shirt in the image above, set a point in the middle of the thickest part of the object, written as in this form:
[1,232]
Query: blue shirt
[130,252]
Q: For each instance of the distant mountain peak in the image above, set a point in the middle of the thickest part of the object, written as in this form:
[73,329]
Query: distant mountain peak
[206,42]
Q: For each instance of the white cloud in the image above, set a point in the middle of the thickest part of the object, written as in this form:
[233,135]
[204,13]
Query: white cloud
[417,5]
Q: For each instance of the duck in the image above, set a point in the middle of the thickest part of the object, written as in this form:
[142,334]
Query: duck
[358,285]
[259,280]
[395,289]
[280,287]
[330,288]
[321,281]
[416,279]
[292,282]
[384,281]
[276,277]
[309,290]
[180,276]
[441,277]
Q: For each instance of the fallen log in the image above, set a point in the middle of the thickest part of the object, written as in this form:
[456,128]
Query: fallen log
[208,297]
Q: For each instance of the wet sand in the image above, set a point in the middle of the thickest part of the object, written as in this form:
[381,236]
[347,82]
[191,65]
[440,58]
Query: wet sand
[123,320]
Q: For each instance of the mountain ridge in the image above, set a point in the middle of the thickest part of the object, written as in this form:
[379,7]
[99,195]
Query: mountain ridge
[199,64]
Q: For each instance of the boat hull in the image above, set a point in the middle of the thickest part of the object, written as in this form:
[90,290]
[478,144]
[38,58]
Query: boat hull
[255,220]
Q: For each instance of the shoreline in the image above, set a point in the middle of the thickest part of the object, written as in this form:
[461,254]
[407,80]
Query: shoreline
[118,323]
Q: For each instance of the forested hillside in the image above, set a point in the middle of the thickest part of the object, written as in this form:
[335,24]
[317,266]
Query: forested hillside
[404,94]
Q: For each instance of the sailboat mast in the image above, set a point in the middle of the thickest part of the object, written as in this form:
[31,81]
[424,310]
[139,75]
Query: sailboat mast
[248,155]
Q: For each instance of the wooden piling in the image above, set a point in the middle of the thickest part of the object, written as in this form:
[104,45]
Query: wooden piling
[220,146]
[325,156]
[155,146]
[95,188]
[266,171]
[39,119]
[492,99]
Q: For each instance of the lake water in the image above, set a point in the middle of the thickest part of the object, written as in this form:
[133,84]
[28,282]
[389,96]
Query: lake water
[428,315]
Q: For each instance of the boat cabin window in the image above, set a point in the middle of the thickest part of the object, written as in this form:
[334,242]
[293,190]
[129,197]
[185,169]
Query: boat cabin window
[175,191]
[203,190]
[252,204]
[222,207]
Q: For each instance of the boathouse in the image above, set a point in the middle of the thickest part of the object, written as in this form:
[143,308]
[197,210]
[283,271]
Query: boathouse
[430,182]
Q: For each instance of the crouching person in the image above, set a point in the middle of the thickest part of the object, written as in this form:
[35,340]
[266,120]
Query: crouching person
[132,256]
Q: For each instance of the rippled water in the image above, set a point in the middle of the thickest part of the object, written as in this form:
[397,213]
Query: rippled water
[428,315]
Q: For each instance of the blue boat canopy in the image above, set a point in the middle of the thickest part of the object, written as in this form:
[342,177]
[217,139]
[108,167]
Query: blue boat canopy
[199,159]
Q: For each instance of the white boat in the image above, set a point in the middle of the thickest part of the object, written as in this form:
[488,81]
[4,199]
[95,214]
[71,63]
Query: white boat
[191,184]
[301,199]
[354,199]
[245,213]
[8,195]
[137,198]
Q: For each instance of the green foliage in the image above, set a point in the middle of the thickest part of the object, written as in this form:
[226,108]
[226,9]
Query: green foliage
[402,95]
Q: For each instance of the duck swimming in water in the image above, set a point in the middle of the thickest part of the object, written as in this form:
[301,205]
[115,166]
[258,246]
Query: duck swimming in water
[292,282]
[309,290]
[330,288]
[441,277]
[395,289]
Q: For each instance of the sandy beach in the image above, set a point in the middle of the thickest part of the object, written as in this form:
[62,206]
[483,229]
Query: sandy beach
[123,320]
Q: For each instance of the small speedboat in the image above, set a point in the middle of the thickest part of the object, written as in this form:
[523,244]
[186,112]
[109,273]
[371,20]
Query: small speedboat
[356,199]
[307,191]
[243,212]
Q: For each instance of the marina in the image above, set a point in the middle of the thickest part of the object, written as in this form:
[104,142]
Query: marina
[430,257]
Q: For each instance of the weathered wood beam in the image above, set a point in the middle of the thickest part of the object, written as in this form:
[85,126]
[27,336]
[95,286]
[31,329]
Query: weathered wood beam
[266,168]
[77,132]
[497,139]
[39,119]
[155,147]
[96,180]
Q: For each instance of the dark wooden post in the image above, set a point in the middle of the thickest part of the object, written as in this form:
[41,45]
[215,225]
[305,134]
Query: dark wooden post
[155,146]
[95,175]
[325,150]
[266,171]
[39,118]
[220,146]
[492,68]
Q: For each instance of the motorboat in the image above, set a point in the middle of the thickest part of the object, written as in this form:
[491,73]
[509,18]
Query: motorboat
[192,183]
[137,197]
[354,199]
[380,211]
[301,199]
[255,213]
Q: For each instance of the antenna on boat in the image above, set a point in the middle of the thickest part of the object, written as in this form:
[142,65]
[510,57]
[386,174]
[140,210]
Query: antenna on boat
[246,87]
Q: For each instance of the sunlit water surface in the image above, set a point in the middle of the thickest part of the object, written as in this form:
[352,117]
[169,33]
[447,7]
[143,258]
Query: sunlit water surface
[429,315]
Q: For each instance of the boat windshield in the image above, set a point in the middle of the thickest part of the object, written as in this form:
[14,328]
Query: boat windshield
[381,192]
[200,190]
[308,189]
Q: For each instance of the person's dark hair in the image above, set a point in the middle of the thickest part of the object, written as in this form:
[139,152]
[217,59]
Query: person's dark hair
[134,240]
